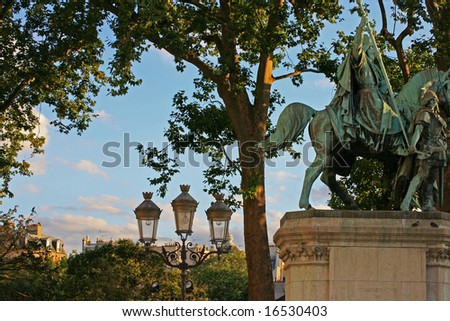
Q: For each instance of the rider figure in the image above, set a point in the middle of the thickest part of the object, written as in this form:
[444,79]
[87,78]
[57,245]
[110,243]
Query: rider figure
[361,108]
[372,95]
[429,140]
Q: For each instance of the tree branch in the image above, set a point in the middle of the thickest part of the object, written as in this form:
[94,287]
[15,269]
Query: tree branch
[264,79]
[397,44]
[5,8]
[229,160]
[201,6]
[10,100]
[409,29]
[296,73]
[440,20]
[188,56]
[110,7]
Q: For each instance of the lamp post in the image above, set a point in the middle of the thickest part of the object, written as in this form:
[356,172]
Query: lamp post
[184,207]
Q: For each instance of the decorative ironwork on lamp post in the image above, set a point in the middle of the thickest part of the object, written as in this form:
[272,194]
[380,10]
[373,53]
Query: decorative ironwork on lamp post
[184,207]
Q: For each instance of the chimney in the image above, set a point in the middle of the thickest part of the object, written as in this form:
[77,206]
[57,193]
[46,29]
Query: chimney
[35,229]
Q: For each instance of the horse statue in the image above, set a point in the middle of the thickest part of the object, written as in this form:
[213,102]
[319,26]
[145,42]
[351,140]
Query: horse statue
[364,118]
[339,139]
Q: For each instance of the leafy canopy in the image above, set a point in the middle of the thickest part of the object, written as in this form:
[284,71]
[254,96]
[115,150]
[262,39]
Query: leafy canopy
[51,54]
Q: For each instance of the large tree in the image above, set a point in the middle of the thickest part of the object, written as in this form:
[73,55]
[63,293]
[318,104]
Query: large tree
[45,61]
[236,46]
[53,54]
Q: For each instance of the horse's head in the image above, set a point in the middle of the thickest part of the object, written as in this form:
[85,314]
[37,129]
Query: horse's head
[444,92]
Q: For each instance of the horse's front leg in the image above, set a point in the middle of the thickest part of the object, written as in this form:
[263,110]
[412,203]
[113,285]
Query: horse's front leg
[311,174]
[329,178]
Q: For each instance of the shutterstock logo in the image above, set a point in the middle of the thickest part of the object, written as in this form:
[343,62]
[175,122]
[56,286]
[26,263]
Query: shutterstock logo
[130,153]
[119,153]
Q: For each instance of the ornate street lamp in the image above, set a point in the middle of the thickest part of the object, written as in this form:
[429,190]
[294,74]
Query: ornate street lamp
[219,215]
[147,215]
[184,207]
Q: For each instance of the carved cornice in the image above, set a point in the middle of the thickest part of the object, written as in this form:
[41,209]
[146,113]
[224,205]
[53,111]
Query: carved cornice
[306,254]
[340,228]
[438,256]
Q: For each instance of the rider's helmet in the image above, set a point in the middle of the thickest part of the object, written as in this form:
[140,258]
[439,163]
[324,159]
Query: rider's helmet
[427,96]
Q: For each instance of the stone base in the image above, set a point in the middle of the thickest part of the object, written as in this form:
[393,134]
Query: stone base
[365,255]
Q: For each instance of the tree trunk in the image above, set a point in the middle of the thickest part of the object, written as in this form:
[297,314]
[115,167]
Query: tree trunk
[260,279]
[250,123]
[439,12]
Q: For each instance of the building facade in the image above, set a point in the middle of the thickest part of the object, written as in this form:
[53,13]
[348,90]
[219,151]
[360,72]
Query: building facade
[52,245]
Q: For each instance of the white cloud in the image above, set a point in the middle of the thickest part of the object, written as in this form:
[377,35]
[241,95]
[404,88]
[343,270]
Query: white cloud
[322,207]
[40,130]
[167,211]
[85,166]
[103,115]
[273,222]
[324,83]
[282,176]
[273,199]
[111,217]
[320,195]
[38,165]
[164,55]
[43,128]
[72,228]
[104,203]
[32,188]
[89,167]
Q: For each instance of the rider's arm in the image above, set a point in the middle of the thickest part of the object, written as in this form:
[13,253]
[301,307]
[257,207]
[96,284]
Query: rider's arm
[358,41]
[415,138]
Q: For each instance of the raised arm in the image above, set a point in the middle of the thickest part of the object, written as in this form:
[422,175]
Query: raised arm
[359,39]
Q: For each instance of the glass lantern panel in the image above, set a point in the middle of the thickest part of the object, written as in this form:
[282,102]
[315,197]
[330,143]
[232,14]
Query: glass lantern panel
[219,230]
[184,221]
[148,230]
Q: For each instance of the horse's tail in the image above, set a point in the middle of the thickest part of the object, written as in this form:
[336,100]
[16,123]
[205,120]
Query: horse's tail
[290,125]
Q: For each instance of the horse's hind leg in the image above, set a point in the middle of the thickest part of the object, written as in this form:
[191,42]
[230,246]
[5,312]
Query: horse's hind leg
[329,178]
[311,174]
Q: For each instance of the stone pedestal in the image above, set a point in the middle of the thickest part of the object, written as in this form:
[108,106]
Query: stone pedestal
[365,255]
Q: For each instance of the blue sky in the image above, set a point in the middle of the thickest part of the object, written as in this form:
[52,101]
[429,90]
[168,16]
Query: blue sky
[75,195]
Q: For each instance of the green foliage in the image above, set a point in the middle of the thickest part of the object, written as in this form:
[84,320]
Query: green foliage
[12,143]
[38,282]
[225,279]
[122,271]
[115,271]
[26,272]
[51,55]
[226,42]
[188,132]
[365,184]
